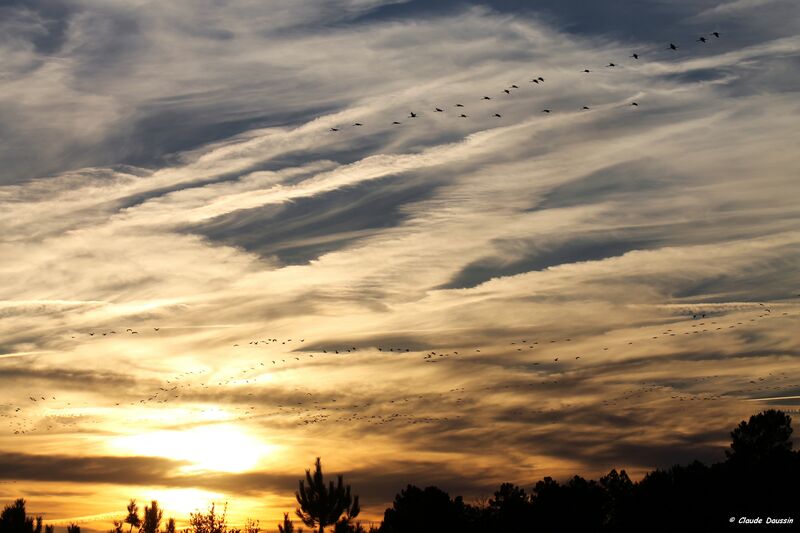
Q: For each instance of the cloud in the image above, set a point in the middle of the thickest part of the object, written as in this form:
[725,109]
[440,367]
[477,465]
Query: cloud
[172,172]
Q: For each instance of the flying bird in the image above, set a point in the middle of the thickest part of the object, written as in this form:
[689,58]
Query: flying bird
[506,91]
[486,98]
[715,34]
[358,124]
[439,110]
[463,115]
[672,46]
[498,115]
[635,56]
[459,105]
[545,110]
[395,122]
[586,70]
[634,104]
[412,115]
[611,65]
[702,40]
[334,129]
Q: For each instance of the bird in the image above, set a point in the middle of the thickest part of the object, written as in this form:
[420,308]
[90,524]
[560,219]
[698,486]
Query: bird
[635,56]
[514,87]
[439,110]
[540,78]
[498,115]
[459,105]
[358,124]
[672,46]
[395,122]
[506,91]
[715,34]
[412,115]
[463,115]
[611,65]
[634,104]
[486,98]
[586,70]
[702,40]
[534,80]
[545,110]
[334,129]
[585,107]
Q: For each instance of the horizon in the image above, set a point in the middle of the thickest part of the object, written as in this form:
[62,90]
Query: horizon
[222,258]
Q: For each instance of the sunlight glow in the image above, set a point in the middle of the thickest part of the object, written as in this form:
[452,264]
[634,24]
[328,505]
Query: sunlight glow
[224,448]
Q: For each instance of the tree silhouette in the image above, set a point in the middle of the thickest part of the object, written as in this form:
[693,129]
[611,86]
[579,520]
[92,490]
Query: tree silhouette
[73,528]
[322,506]
[152,518]
[424,511]
[170,527]
[14,519]
[209,522]
[133,516]
[49,528]
[288,525]
[765,435]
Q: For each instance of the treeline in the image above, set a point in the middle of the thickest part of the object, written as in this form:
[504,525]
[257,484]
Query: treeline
[760,479]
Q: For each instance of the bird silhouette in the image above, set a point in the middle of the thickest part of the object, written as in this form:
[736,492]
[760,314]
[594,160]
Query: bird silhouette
[439,110]
[715,34]
[672,46]
[702,40]
[635,56]
[412,115]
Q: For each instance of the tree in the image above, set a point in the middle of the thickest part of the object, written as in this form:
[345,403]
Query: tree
[14,519]
[152,518]
[49,528]
[288,525]
[251,526]
[765,435]
[170,527]
[73,528]
[133,516]
[209,522]
[431,510]
[320,506]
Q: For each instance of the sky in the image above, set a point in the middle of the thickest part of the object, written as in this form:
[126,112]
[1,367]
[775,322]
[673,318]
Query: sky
[211,276]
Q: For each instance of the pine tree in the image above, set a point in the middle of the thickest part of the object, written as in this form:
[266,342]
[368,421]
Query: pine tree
[322,506]
[152,518]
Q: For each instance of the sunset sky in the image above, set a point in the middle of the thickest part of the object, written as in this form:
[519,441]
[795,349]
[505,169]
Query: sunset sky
[510,297]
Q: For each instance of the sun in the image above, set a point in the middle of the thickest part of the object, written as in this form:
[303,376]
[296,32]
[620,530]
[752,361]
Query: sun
[219,447]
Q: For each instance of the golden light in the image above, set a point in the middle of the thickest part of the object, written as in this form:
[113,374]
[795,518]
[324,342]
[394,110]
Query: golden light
[219,447]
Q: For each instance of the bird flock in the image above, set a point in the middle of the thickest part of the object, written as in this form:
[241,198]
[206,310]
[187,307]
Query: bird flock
[553,364]
[536,80]
[548,364]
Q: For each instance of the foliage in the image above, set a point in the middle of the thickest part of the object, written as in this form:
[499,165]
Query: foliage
[322,506]
[209,522]
[133,516]
[14,519]
[152,518]
[288,525]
